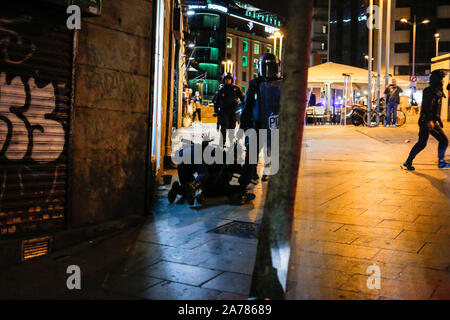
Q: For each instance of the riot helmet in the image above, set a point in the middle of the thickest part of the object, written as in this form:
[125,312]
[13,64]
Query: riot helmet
[227,76]
[269,67]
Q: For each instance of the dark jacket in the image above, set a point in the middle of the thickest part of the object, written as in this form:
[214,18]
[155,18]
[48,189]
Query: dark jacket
[251,100]
[227,99]
[393,92]
[431,105]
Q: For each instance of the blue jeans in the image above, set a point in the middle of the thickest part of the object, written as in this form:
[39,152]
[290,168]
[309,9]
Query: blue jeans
[391,108]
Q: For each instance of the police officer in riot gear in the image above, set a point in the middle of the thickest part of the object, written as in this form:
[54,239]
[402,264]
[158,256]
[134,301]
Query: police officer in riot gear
[225,102]
[430,120]
[262,105]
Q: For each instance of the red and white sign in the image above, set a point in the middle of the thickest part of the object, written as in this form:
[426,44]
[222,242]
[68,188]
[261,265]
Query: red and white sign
[413,78]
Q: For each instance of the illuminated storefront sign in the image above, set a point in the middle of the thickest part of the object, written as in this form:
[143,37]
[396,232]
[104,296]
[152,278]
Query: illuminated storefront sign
[267,28]
[210,6]
[263,18]
[217,7]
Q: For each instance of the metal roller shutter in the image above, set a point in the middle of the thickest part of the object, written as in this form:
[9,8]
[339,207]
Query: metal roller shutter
[35,89]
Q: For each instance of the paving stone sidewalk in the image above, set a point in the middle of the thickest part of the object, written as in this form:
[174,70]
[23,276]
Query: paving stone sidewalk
[354,208]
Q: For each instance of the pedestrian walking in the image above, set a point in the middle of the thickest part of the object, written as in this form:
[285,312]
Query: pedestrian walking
[225,102]
[393,99]
[197,101]
[430,120]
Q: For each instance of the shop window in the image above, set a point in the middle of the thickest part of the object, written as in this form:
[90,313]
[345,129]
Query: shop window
[244,61]
[402,47]
[245,46]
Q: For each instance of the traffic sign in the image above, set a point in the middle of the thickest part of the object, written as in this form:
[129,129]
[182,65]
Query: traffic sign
[413,78]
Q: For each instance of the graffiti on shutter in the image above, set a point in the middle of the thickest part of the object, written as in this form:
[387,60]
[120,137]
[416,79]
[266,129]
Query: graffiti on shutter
[35,80]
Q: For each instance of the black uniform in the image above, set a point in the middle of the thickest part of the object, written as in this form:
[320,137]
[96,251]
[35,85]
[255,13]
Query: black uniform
[262,103]
[212,180]
[226,101]
[431,111]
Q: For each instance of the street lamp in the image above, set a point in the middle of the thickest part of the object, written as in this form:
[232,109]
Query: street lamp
[436,36]
[277,35]
[414,25]
[228,66]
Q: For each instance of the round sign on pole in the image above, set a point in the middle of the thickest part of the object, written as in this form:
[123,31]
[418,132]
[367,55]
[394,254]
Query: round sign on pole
[413,78]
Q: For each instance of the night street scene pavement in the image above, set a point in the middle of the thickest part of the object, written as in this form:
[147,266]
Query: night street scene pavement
[334,181]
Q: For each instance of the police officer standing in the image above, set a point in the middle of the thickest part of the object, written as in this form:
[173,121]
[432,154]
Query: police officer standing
[225,102]
[262,105]
[430,121]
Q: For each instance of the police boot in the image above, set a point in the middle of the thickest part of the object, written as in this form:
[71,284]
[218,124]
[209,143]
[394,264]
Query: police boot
[190,190]
[174,191]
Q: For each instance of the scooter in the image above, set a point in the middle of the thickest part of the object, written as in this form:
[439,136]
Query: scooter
[357,114]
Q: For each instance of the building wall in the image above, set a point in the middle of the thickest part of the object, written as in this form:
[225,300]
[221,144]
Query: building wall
[236,54]
[110,123]
[319,38]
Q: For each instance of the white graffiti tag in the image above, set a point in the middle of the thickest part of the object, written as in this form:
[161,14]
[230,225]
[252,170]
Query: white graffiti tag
[30,128]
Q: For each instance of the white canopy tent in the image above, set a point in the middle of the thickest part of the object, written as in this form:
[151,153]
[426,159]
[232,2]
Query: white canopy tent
[330,72]
[332,75]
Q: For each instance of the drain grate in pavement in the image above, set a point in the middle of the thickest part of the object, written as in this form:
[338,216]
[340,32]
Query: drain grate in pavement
[249,230]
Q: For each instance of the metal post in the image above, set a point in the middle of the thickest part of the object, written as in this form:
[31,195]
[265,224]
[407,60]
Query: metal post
[369,83]
[437,46]
[281,48]
[414,48]
[274,44]
[328,90]
[380,43]
[328,31]
[388,41]
[344,105]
